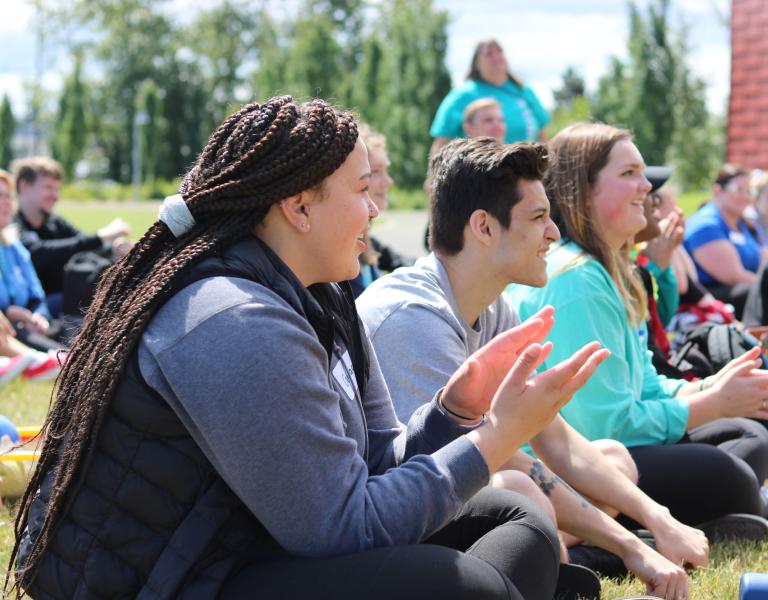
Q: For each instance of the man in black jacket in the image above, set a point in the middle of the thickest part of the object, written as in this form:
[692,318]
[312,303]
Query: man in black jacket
[50,239]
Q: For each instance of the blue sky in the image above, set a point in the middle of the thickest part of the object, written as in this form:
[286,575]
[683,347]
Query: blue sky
[540,39]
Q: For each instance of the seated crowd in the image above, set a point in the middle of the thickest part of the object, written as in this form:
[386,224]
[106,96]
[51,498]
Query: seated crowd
[48,270]
[265,397]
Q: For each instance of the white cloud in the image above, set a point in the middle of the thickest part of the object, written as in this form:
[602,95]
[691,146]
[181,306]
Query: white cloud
[12,85]
[16,16]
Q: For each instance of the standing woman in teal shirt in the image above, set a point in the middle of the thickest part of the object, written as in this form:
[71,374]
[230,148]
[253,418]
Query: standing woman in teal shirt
[693,456]
[489,77]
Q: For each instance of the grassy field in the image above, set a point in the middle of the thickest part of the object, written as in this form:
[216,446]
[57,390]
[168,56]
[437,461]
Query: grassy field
[27,403]
[89,216]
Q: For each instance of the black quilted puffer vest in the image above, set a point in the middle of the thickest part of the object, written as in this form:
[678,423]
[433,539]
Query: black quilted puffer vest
[150,517]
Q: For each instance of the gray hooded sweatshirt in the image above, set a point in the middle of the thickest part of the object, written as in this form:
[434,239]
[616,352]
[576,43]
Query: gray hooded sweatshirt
[417,330]
[325,471]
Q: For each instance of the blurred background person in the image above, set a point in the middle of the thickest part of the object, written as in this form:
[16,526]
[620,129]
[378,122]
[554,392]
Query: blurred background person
[483,118]
[489,77]
[696,305]
[758,212]
[756,307]
[726,249]
[377,257]
[22,299]
[51,240]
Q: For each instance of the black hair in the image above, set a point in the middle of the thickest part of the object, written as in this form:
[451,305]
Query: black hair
[478,174]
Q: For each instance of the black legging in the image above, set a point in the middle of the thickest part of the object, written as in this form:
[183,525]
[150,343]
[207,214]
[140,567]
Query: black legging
[500,546]
[716,469]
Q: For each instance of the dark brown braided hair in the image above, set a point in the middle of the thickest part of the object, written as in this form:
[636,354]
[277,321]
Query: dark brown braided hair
[258,156]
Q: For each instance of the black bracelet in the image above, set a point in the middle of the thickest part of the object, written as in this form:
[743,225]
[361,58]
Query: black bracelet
[450,412]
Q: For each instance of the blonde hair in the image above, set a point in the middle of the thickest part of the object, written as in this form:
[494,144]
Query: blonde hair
[9,233]
[476,106]
[579,153]
[371,138]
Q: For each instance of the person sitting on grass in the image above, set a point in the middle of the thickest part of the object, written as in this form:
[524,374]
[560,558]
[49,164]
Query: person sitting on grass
[726,247]
[694,452]
[491,227]
[51,240]
[222,428]
[18,360]
[21,295]
[378,257]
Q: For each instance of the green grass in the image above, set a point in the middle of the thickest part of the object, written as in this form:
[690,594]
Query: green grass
[90,216]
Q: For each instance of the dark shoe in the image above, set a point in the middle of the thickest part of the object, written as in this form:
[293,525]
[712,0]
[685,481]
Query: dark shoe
[601,561]
[736,526]
[575,582]
[646,537]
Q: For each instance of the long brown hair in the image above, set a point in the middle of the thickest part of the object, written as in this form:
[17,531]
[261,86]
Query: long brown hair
[474,70]
[257,156]
[579,153]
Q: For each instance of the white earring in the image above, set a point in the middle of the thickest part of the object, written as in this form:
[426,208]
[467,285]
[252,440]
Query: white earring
[305,226]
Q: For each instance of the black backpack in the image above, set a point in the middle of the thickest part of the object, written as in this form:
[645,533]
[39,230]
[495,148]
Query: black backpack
[710,346]
[81,275]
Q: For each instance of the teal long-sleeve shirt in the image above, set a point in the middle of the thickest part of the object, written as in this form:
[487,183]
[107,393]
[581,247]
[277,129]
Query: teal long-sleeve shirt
[668,296]
[626,399]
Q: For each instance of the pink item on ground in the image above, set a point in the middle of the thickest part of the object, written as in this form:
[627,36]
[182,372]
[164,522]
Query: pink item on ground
[12,367]
[44,370]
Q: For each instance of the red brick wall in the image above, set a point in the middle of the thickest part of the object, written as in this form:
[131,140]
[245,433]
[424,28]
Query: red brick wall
[747,142]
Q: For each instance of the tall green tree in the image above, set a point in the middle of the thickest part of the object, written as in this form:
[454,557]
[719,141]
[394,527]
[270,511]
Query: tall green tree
[185,114]
[413,79]
[315,67]
[640,93]
[7,129]
[698,143]
[148,103]
[136,42]
[609,103]
[71,128]
[655,94]
[224,42]
[366,83]
[348,18]
[653,84]
[271,58]
[571,88]
[571,104]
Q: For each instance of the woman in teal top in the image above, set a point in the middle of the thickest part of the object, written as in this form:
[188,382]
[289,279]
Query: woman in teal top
[690,456]
[489,77]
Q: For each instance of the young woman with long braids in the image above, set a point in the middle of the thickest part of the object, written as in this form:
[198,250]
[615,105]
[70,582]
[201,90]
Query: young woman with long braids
[222,428]
[692,452]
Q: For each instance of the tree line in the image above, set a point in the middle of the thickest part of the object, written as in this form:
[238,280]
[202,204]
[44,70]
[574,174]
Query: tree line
[138,68]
